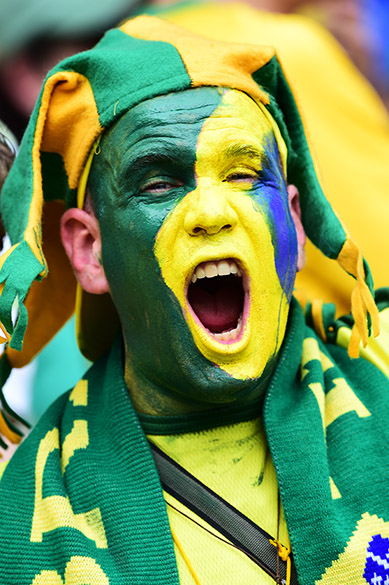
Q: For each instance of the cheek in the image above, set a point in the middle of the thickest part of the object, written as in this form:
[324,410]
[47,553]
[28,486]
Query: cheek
[126,243]
[128,237]
[283,234]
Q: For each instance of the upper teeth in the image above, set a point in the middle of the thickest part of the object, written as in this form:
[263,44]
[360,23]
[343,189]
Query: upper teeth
[218,268]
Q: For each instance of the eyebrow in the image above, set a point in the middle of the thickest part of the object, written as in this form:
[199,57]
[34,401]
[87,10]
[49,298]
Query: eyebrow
[138,163]
[243,150]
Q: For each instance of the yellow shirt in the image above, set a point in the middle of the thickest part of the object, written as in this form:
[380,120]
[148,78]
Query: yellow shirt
[234,461]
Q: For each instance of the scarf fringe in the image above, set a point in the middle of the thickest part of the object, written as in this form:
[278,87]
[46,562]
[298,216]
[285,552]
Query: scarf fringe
[363,307]
[19,270]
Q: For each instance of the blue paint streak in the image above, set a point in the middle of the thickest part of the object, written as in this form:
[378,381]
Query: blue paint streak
[271,196]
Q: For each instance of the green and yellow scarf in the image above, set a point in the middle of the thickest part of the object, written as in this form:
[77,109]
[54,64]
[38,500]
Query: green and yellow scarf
[82,502]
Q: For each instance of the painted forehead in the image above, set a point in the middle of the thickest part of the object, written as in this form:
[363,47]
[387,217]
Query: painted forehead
[164,122]
[173,123]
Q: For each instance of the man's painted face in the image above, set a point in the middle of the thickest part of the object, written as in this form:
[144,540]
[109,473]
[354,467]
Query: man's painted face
[198,243]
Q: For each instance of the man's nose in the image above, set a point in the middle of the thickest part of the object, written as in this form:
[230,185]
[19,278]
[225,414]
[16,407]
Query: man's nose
[210,212]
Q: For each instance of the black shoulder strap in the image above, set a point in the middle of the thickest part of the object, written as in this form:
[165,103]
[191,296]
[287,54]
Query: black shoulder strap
[226,519]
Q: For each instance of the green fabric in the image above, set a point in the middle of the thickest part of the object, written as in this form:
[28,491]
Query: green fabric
[350,452]
[54,177]
[138,70]
[5,369]
[185,423]
[19,186]
[381,298]
[20,269]
[112,473]
[155,68]
[118,477]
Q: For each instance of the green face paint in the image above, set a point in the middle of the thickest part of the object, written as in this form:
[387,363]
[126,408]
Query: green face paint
[176,185]
[236,219]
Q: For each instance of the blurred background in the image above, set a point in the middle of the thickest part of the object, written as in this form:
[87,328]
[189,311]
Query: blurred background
[36,34]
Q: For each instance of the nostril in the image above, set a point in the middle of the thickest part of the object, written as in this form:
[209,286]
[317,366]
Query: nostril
[210,229]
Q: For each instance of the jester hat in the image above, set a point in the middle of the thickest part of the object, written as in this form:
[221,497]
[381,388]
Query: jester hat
[82,96]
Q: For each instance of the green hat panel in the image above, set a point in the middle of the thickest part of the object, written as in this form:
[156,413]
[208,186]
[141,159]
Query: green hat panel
[124,71]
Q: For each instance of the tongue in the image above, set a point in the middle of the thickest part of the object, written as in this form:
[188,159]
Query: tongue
[218,311]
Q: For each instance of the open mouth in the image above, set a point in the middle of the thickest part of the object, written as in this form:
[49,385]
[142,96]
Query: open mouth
[216,295]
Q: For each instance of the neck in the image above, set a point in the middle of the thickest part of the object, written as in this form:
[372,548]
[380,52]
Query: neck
[158,400]
[149,398]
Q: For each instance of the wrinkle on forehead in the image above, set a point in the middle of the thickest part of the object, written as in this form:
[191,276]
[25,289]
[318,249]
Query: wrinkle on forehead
[173,116]
[166,113]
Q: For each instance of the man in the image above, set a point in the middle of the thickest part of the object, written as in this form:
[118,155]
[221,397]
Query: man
[357,138]
[185,157]
[327,86]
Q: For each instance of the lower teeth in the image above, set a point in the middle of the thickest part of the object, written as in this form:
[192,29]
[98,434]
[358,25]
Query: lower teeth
[229,335]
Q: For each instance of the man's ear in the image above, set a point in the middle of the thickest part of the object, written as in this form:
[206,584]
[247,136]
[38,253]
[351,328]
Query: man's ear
[80,234]
[294,206]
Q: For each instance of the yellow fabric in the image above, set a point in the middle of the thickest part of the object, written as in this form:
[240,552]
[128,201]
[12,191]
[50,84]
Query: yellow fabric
[6,337]
[4,257]
[362,302]
[346,124]
[376,350]
[223,68]
[54,114]
[46,318]
[7,432]
[235,462]
[68,93]
[64,94]
[3,465]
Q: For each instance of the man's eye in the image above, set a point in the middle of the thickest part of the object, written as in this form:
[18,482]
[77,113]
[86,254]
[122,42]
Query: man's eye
[159,186]
[245,177]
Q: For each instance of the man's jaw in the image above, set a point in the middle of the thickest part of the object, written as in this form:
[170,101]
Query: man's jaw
[218,298]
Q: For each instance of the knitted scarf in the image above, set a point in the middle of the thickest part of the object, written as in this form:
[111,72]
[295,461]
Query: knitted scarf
[84,505]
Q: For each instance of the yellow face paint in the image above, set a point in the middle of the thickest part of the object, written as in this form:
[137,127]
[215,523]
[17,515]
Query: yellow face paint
[230,217]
